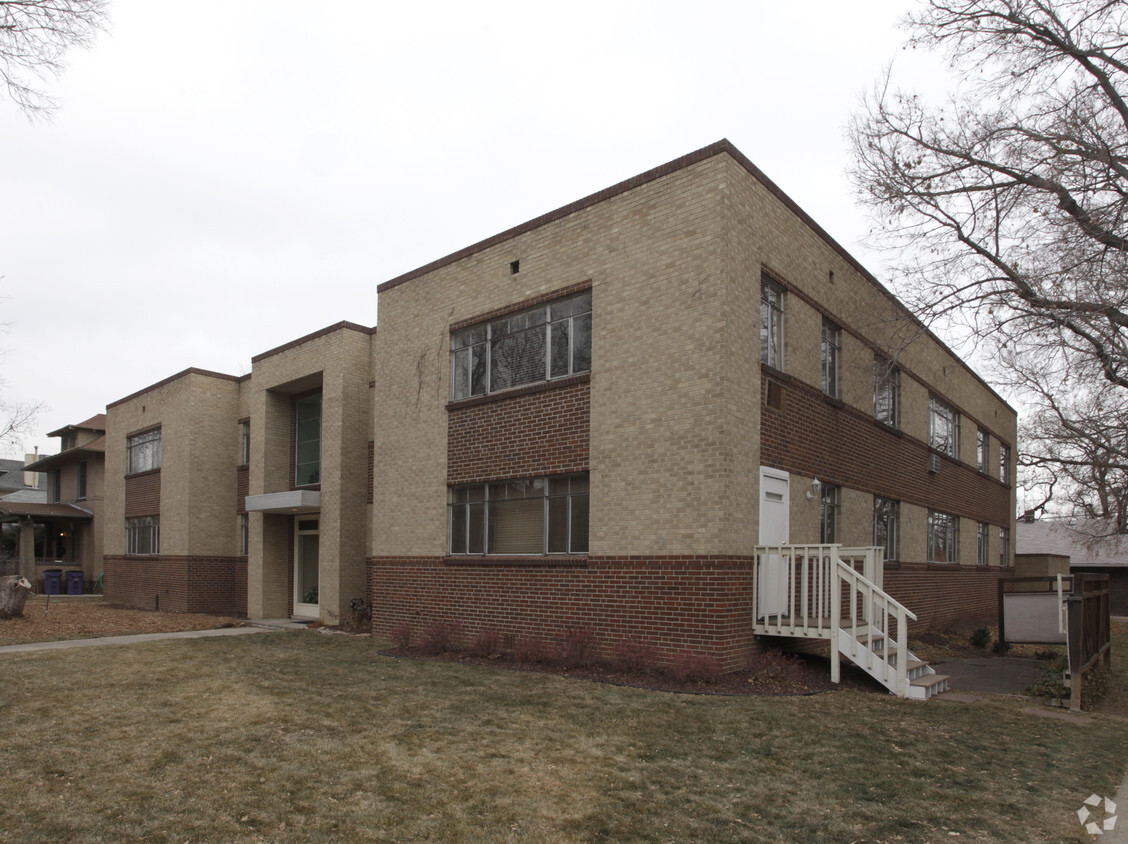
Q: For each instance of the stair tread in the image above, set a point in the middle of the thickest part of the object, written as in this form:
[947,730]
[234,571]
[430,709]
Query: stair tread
[929,680]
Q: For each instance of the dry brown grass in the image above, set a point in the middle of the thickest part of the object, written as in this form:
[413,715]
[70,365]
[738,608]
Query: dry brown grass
[296,737]
[86,617]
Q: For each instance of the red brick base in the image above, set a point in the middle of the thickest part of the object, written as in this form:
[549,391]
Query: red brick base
[215,585]
[699,605]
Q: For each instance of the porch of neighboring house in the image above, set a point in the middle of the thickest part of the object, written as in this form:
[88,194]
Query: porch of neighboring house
[41,539]
[833,593]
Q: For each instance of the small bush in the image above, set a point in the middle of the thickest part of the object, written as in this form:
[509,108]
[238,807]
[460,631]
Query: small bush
[635,656]
[401,635]
[775,666]
[981,638]
[695,668]
[576,647]
[441,637]
[530,651]
[486,643]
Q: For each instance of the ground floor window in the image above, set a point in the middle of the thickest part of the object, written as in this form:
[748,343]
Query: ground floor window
[1004,547]
[142,535]
[886,515]
[981,534]
[828,514]
[536,516]
[943,537]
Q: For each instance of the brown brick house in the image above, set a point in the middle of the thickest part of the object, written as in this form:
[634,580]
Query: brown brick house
[591,420]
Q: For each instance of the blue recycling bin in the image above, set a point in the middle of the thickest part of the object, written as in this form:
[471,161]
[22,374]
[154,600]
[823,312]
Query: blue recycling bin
[75,582]
[53,582]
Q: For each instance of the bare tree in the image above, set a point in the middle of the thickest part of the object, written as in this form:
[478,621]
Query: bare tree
[1007,208]
[34,36]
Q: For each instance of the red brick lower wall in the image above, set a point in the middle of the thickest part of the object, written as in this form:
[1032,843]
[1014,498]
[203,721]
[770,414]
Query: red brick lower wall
[178,584]
[947,596]
[700,605]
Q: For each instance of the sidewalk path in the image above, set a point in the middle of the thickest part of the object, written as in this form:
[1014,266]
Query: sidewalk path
[131,640]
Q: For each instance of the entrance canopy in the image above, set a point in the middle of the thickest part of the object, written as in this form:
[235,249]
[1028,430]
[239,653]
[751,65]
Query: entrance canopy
[293,501]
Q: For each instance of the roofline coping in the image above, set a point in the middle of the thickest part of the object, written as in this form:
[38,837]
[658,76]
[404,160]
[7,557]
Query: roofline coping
[192,370]
[670,167]
[329,329]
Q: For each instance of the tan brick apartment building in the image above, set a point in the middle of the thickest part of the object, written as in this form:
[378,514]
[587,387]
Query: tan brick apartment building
[589,421]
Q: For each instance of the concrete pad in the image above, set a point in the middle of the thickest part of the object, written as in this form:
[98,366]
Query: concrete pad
[991,675]
[957,697]
[279,623]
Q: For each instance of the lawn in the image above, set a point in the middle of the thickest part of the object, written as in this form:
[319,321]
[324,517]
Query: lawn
[304,737]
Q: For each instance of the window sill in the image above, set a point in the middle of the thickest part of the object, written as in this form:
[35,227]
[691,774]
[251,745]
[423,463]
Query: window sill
[833,401]
[143,474]
[536,561]
[777,374]
[523,390]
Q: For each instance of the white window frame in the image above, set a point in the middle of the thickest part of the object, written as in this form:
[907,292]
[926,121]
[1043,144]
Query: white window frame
[301,429]
[143,451]
[772,310]
[1004,463]
[887,514]
[982,532]
[1004,547]
[831,354]
[982,450]
[471,508]
[949,525]
[886,379]
[143,536]
[943,427]
[830,503]
[473,348]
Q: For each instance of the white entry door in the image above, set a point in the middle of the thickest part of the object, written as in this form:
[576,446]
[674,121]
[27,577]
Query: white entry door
[775,529]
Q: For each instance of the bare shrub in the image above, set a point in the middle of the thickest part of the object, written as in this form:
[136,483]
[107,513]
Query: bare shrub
[635,656]
[576,646]
[441,637]
[401,635]
[698,669]
[486,643]
[530,651]
[775,666]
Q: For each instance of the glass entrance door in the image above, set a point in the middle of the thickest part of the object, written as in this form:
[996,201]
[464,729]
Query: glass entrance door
[306,560]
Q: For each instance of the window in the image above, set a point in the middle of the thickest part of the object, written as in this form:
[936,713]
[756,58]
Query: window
[943,537]
[142,536]
[1004,547]
[943,427]
[542,343]
[771,323]
[982,449]
[307,440]
[57,485]
[981,534]
[886,391]
[886,514]
[831,345]
[828,515]
[81,480]
[245,443]
[143,452]
[244,535]
[1004,463]
[534,516]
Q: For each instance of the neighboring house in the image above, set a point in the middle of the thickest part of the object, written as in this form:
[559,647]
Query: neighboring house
[588,421]
[16,485]
[1088,548]
[64,531]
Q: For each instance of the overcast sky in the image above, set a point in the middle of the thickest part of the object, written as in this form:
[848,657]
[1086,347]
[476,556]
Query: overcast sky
[223,177]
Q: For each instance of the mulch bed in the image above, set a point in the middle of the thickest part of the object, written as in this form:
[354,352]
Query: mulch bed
[812,675]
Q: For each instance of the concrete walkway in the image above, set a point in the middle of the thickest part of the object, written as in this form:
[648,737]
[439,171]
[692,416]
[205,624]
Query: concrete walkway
[990,675]
[255,625]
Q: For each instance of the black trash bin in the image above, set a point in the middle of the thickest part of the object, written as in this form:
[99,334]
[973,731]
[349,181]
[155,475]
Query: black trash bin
[75,582]
[53,582]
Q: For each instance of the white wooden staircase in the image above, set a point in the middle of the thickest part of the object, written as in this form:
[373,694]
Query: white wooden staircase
[835,593]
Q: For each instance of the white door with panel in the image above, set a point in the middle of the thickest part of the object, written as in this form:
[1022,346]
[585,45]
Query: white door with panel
[775,529]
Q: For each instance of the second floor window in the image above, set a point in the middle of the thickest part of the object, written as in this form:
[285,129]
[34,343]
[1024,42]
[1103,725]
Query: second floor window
[82,480]
[307,440]
[982,450]
[771,323]
[542,343]
[886,391]
[981,534]
[1004,463]
[943,427]
[831,346]
[245,443]
[143,452]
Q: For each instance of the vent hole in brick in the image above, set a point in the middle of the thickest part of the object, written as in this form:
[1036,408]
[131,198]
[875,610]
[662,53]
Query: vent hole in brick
[514,267]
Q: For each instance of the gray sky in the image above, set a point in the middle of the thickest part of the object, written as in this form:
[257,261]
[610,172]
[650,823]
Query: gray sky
[224,177]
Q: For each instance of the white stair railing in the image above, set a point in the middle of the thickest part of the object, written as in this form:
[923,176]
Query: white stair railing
[867,638]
